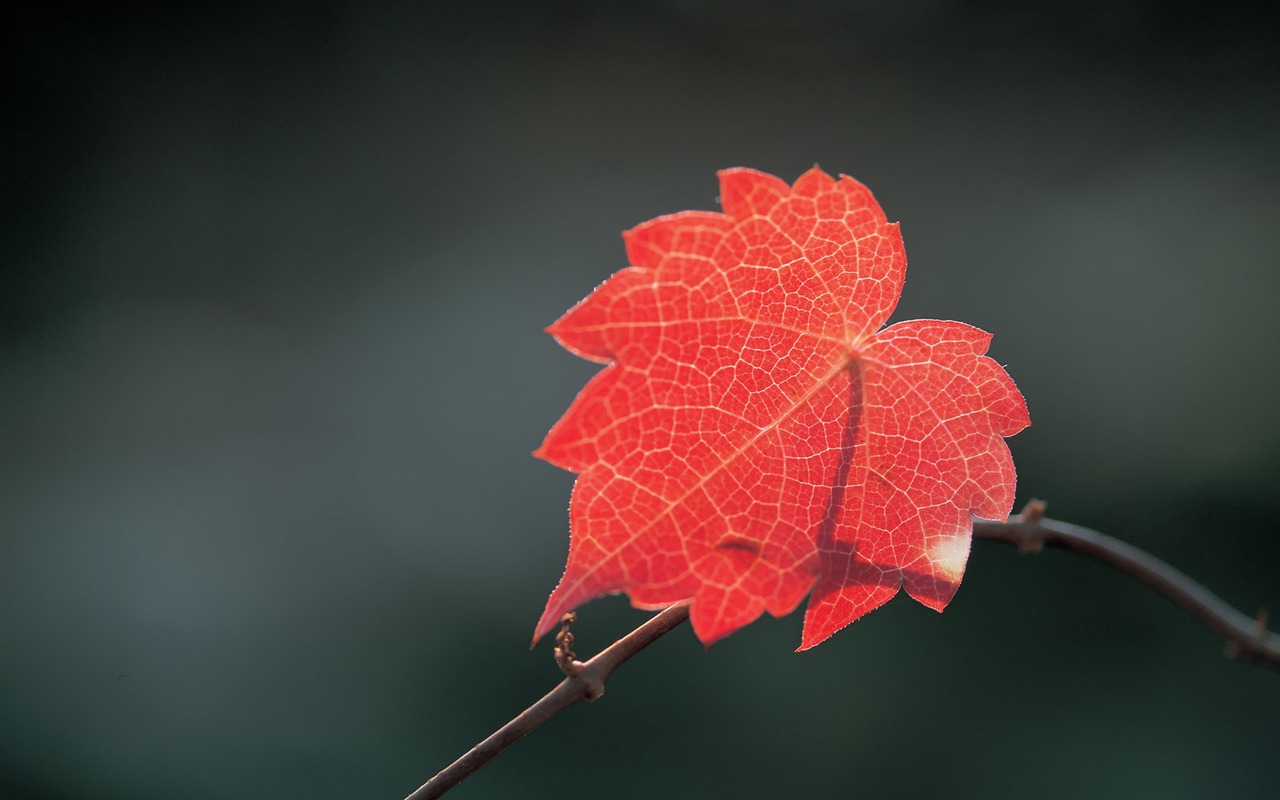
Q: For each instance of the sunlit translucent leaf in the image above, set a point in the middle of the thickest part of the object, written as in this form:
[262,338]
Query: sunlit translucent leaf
[757,435]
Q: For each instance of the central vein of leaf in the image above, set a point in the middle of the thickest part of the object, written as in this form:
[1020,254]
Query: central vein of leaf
[849,361]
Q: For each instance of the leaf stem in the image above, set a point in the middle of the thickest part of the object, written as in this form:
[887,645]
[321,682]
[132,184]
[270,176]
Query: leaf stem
[1246,638]
[585,683]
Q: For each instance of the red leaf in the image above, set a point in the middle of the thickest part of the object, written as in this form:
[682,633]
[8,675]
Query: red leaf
[756,435]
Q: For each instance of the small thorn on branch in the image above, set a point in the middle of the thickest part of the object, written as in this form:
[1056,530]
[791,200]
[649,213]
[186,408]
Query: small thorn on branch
[564,655]
[1028,521]
[1033,511]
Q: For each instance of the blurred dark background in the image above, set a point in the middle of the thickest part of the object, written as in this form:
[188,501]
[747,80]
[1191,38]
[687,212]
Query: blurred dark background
[274,279]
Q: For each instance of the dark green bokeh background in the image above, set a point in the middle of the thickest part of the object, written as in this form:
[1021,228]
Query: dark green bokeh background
[274,284]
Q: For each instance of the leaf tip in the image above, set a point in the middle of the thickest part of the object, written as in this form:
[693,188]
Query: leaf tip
[745,192]
[544,626]
[812,183]
[809,640]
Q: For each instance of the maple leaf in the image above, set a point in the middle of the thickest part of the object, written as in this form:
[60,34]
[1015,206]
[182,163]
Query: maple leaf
[756,436]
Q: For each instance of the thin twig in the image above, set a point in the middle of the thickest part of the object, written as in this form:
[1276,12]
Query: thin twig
[585,683]
[1246,638]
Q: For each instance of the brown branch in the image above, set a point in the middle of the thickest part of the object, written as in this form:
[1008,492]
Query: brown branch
[585,681]
[1246,638]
